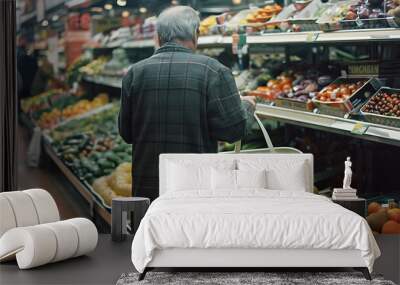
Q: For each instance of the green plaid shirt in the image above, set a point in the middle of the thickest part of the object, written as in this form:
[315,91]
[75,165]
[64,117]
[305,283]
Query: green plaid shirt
[177,101]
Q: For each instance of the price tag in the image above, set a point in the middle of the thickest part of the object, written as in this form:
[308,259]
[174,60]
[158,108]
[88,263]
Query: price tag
[311,37]
[359,22]
[359,129]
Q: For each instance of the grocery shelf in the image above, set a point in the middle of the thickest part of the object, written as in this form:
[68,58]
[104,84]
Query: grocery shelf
[139,44]
[280,38]
[373,132]
[361,35]
[111,81]
[389,34]
[215,40]
[94,205]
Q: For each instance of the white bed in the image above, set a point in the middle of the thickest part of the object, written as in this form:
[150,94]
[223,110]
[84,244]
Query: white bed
[249,227]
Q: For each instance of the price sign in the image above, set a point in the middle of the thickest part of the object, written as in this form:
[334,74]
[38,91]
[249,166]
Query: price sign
[311,37]
[359,129]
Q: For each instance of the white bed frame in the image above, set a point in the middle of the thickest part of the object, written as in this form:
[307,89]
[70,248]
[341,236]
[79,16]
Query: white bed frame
[251,258]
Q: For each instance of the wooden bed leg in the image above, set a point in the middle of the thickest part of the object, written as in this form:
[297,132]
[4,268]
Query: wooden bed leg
[143,274]
[364,271]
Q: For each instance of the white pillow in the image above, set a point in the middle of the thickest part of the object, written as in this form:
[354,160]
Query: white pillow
[282,174]
[226,179]
[293,180]
[182,177]
[223,179]
[251,178]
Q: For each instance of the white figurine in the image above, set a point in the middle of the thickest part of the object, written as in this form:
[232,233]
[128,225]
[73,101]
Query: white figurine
[347,174]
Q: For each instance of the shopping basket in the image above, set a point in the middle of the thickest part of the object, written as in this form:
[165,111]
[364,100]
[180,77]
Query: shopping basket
[270,148]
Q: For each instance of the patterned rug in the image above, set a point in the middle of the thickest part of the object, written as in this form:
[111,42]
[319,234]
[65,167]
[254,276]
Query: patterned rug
[244,278]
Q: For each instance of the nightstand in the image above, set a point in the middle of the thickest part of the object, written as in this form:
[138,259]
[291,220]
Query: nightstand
[358,205]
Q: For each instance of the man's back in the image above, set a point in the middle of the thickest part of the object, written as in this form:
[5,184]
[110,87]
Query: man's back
[176,102]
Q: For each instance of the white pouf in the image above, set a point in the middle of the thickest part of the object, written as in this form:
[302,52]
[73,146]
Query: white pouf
[7,220]
[23,208]
[45,205]
[26,208]
[41,244]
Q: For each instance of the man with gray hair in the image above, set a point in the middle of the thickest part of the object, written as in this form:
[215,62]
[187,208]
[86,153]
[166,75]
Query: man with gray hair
[177,101]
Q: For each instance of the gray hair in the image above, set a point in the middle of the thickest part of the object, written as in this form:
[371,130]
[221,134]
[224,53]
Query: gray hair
[177,23]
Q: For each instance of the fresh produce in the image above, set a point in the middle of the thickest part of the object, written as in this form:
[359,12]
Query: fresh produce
[102,124]
[101,187]
[262,15]
[95,66]
[84,106]
[91,146]
[40,102]
[302,90]
[373,207]
[391,227]
[73,71]
[385,220]
[377,220]
[384,103]
[118,65]
[372,9]
[49,119]
[297,85]
[207,24]
[338,92]
[121,179]
[119,183]
[274,87]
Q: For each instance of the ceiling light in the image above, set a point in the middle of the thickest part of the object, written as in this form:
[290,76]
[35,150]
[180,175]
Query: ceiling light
[121,3]
[108,6]
[125,14]
[45,23]
[236,2]
[55,18]
[174,2]
[142,10]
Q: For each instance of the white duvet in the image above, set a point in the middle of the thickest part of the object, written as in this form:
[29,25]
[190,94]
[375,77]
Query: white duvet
[250,219]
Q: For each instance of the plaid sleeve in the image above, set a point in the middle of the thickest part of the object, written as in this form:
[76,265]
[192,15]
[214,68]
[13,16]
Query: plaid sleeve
[225,113]
[125,113]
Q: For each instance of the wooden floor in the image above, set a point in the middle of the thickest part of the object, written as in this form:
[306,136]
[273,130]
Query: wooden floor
[48,177]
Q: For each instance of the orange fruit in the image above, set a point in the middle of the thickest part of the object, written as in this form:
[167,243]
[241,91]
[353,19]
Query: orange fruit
[392,212]
[391,227]
[395,217]
[373,207]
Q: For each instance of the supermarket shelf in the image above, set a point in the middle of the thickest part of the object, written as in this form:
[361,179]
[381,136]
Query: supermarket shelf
[139,44]
[216,40]
[104,80]
[96,207]
[390,34]
[281,38]
[377,133]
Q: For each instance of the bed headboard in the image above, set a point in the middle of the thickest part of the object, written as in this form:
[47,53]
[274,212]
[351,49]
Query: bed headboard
[214,158]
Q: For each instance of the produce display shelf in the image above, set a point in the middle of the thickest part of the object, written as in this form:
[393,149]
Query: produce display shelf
[215,40]
[349,127]
[362,35]
[115,82]
[95,206]
[389,34]
[147,43]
